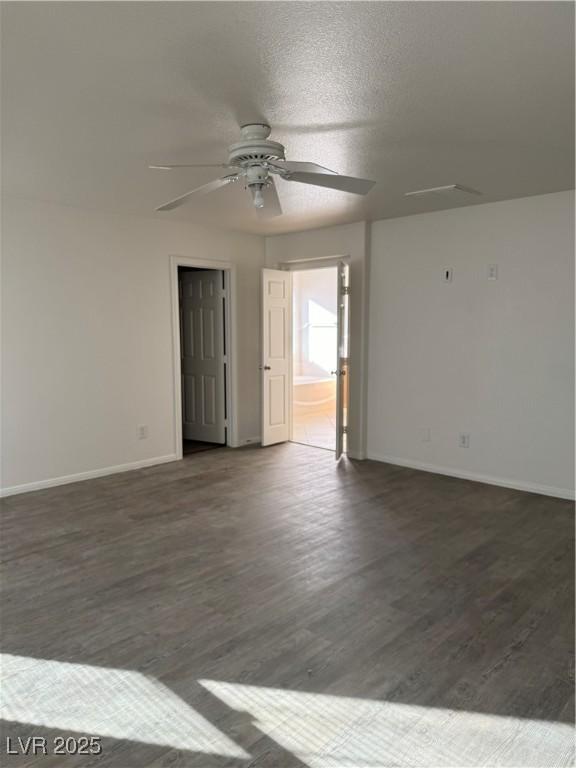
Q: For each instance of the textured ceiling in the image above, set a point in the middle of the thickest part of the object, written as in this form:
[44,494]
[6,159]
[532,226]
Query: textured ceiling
[409,94]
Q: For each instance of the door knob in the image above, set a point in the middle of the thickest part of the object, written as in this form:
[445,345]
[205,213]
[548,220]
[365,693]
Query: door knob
[264,368]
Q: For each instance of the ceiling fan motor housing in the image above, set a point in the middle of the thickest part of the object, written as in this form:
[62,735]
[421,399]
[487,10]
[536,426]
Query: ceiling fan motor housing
[255,148]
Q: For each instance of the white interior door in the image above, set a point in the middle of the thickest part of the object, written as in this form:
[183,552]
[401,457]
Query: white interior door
[342,369]
[276,355]
[202,356]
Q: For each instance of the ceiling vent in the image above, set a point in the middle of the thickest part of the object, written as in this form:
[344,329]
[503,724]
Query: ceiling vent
[451,191]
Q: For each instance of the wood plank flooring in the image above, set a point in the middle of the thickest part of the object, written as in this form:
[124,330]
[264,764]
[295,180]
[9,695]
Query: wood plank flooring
[270,607]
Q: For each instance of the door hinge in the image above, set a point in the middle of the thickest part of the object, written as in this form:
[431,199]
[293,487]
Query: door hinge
[343,430]
[345,290]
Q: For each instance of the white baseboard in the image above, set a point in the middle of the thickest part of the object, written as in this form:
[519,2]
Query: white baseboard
[547,490]
[89,475]
[519,485]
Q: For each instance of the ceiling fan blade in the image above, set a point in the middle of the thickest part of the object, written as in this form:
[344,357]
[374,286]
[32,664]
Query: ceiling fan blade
[305,167]
[185,165]
[343,183]
[205,188]
[272,205]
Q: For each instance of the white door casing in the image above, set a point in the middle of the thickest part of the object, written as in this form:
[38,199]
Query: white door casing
[202,356]
[343,368]
[276,355]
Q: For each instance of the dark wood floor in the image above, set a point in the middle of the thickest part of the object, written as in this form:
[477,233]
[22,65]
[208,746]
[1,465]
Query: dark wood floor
[278,568]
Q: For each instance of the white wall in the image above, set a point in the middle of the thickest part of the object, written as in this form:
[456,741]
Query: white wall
[87,339]
[87,345]
[494,359]
[347,240]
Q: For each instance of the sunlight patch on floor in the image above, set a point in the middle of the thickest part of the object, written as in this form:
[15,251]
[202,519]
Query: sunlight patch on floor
[105,702]
[338,732]
[322,731]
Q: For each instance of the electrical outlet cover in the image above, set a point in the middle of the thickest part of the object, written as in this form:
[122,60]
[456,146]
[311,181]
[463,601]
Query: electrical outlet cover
[464,440]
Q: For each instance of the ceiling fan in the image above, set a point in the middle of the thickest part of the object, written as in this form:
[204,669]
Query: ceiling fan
[256,159]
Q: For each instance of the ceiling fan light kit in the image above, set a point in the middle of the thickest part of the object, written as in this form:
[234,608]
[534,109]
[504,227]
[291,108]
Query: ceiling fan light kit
[256,159]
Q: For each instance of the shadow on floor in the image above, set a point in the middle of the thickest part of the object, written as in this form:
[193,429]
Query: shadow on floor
[197,446]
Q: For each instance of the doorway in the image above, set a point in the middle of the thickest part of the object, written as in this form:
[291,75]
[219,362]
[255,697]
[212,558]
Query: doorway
[305,362]
[203,358]
[314,356]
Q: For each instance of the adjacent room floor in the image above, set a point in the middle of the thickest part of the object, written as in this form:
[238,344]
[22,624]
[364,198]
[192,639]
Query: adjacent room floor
[317,429]
[271,607]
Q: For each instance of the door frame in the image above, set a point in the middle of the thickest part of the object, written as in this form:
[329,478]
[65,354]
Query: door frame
[321,262]
[229,270]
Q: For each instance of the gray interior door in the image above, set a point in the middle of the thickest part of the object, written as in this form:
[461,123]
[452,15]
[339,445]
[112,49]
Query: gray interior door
[202,355]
